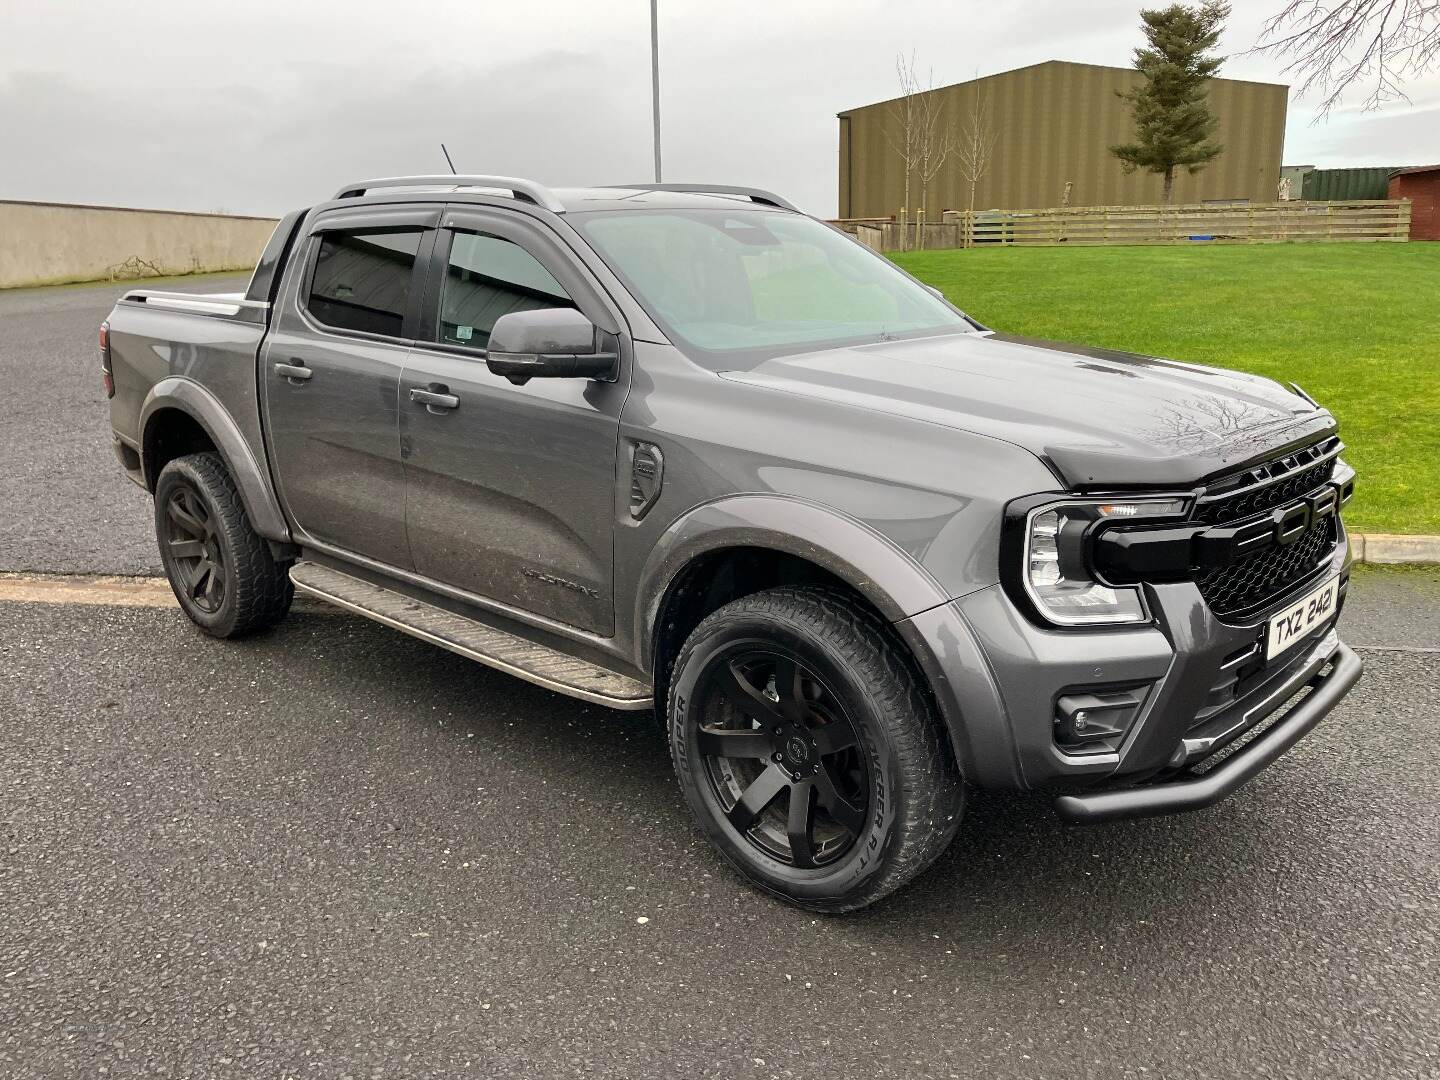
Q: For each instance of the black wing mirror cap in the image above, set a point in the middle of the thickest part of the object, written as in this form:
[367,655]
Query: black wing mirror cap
[549,343]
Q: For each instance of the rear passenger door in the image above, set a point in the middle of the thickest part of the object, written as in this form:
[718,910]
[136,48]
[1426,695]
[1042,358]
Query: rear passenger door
[511,490]
[331,374]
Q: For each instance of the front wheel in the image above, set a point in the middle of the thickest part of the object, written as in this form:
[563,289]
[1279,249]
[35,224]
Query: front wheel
[807,750]
[224,575]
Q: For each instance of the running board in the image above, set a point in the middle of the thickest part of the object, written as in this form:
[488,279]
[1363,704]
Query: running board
[505,652]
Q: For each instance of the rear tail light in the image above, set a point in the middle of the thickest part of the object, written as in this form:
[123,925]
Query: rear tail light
[107,375]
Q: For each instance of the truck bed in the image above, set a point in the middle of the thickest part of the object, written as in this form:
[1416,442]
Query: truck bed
[210,339]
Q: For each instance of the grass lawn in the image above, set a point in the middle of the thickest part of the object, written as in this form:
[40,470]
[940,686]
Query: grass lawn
[1357,325]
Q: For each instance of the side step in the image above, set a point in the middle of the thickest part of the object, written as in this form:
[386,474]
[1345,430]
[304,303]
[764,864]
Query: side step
[538,664]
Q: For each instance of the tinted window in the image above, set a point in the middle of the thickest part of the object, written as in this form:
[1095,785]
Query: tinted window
[733,282]
[362,279]
[489,277]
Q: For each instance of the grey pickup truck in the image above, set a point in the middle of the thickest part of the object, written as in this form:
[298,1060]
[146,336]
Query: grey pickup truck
[683,447]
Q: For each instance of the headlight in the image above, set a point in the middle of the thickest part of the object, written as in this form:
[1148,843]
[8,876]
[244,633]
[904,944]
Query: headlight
[1056,573]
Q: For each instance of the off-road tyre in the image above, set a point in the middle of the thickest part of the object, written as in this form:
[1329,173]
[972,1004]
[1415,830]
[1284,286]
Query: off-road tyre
[840,662]
[225,577]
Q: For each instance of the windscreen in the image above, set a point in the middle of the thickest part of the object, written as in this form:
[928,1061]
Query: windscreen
[731,282]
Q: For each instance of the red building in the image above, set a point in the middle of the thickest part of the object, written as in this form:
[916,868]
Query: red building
[1422,187]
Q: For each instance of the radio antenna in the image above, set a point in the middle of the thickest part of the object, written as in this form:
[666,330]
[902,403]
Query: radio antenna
[447,160]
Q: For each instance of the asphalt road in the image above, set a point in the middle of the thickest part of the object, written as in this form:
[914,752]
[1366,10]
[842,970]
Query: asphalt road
[334,851]
[61,509]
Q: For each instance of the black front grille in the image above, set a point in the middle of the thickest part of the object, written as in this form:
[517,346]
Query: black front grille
[1220,508]
[1254,581]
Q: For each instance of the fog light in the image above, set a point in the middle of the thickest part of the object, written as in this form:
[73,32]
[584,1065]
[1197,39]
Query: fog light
[1089,722]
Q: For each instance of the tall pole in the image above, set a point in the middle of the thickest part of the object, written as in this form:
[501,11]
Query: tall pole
[655,77]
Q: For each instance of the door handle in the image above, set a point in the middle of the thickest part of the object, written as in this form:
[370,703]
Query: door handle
[295,372]
[436,397]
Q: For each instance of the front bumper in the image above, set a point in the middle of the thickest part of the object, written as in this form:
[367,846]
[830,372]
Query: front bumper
[1330,670]
[1201,684]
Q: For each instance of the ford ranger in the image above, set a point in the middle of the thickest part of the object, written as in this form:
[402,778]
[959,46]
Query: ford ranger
[683,447]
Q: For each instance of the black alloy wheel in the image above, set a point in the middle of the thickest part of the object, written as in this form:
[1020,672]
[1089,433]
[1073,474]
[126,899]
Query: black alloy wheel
[782,757]
[226,578]
[807,748]
[194,548]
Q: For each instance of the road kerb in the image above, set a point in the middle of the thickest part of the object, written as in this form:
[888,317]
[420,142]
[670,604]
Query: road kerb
[1393,549]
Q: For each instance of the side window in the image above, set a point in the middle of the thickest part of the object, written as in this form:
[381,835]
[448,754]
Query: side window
[362,279]
[489,277]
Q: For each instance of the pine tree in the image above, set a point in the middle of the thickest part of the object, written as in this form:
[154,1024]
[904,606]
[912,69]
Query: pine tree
[1173,121]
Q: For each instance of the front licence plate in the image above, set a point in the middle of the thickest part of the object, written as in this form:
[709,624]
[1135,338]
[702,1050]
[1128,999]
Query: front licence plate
[1296,621]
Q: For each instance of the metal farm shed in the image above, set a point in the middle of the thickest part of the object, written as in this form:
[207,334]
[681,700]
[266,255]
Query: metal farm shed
[1338,185]
[1054,124]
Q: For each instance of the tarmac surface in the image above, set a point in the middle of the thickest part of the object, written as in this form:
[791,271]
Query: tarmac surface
[60,508]
[335,851]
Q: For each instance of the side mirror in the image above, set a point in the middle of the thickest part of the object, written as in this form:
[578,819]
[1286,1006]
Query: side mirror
[548,343]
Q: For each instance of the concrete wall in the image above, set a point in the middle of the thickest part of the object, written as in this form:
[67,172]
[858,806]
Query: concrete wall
[51,243]
[1055,122]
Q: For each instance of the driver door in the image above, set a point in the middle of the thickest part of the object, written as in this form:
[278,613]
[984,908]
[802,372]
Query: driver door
[510,491]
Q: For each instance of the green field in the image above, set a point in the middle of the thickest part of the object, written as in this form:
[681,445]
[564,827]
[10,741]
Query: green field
[1357,325]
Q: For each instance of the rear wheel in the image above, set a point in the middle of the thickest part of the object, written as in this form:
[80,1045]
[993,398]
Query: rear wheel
[224,575]
[807,750]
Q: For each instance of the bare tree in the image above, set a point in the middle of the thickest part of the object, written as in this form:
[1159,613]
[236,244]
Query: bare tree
[1336,45]
[903,132]
[976,148]
[919,136]
[935,145]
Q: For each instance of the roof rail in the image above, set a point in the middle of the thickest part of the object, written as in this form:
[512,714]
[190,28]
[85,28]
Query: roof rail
[528,190]
[759,195]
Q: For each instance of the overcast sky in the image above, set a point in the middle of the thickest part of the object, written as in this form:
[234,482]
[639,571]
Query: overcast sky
[260,106]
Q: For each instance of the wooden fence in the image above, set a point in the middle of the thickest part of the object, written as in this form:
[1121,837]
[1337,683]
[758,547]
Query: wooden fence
[1263,223]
